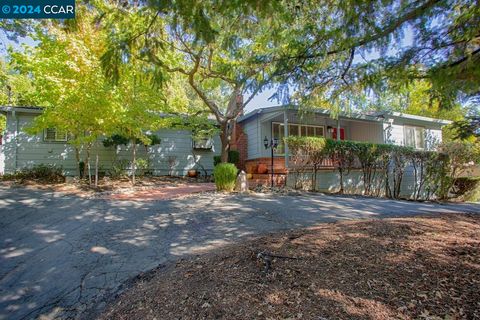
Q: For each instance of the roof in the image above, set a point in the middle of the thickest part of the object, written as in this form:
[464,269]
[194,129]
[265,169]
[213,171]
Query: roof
[23,109]
[415,117]
[376,116]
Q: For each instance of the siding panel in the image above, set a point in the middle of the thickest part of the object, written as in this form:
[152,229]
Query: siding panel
[32,150]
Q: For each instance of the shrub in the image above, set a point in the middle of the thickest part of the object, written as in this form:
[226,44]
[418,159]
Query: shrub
[225,175]
[467,188]
[342,154]
[142,165]
[42,172]
[233,157]
[459,158]
[306,151]
[119,169]
[368,155]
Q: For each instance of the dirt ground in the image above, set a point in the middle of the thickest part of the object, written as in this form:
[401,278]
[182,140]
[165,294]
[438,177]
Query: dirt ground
[106,186]
[401,268]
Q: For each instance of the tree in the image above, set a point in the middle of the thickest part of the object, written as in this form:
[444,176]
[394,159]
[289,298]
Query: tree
[140,108]
[415,98]
[233,59]
[444,48]
[16,88]
[69,81]
[467,129]
[327,53]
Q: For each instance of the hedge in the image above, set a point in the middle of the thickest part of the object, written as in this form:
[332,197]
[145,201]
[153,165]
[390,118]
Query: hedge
[383,165]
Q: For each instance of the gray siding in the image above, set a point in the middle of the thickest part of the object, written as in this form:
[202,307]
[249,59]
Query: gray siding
[251,129]
[365,131]
[23,150]
[329,181]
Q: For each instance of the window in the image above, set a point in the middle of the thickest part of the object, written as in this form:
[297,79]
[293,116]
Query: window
[294,130]
[54,135]
[414,137]
[202,143]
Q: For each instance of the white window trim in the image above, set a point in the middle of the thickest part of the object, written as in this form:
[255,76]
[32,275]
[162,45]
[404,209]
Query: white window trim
[298,124]
[300,130]
[56,139]
[415,128]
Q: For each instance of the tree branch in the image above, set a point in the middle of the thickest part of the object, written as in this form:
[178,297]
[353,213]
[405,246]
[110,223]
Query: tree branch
[210,104]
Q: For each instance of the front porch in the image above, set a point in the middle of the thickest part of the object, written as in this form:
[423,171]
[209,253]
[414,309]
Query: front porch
[287,122]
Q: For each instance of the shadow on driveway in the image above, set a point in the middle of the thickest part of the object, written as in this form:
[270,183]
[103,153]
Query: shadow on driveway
[59,255]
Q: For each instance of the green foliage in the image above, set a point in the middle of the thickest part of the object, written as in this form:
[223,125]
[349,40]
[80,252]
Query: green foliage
[119,140]
[467,189]
[42,173]
[306,151]
[3,123]
[383,165]
[15,88]
[115,140]
[69,82]
[306,145]
[459,158]
[153,139]
[467,129]
[233,157]
[119,169]
[142,165]
[225,175]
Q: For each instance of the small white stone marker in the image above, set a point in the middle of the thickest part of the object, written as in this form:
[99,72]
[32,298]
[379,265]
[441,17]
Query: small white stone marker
[242,183]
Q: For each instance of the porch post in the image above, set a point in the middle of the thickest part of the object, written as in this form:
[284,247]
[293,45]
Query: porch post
[338,128]
[285,134]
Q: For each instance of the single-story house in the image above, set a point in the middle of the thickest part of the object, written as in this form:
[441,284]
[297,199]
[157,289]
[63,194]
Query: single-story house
[379,127]
[175,155]
[177,151]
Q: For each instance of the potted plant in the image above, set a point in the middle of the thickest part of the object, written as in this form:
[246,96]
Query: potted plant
[262,168]
[192,173]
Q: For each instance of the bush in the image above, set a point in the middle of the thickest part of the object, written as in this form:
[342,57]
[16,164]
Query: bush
[467,188]
[119,169]
[233,157]
[42,172]
[383,165]
[225,175]
[141,166]
[306,151]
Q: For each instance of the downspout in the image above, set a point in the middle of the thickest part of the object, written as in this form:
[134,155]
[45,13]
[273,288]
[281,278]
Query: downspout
[285,134]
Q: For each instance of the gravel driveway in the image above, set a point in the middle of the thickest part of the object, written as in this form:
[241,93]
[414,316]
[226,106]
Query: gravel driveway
[59,255]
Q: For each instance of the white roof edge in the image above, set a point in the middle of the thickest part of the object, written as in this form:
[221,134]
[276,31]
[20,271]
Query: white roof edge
[25,109]
[354,115]
[420,118]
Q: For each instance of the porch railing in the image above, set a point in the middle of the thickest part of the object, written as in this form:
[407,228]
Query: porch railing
[327,163]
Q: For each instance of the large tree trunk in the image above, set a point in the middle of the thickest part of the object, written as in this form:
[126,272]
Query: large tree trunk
[226,128]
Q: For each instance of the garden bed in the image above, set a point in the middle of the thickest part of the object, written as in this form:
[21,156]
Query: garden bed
[106,186]
[424,267]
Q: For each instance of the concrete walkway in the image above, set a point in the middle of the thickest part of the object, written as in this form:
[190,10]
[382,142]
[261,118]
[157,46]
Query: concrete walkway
[60,255]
